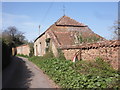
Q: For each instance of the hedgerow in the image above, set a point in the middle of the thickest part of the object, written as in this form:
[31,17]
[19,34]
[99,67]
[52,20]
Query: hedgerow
[80,74]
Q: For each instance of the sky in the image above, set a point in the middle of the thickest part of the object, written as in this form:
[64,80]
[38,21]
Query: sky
[27,16]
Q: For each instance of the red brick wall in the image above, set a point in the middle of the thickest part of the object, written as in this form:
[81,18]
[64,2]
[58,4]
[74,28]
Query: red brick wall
[23,49]
[109,53]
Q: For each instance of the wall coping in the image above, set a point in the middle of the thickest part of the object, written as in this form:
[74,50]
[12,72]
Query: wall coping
[22,45]
[106,43]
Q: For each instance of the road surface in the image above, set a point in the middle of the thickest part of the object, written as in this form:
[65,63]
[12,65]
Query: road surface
[22,73]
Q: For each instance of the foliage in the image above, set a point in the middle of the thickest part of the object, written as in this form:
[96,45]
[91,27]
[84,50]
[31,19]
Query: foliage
[87,39]
[6,54]
[31,44]
[81,74]
[21,55]
[48,55]
[13,37]
[60,54]
[47,40]
[96,68]
[46,49]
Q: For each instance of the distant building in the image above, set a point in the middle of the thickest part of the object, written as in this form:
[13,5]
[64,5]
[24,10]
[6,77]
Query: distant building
[23,49]
[64,32]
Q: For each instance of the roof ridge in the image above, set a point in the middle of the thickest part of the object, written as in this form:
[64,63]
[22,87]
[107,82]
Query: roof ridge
[67,21]
[59,19]
[72,19]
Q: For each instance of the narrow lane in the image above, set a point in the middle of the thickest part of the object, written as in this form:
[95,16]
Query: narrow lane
[22,73]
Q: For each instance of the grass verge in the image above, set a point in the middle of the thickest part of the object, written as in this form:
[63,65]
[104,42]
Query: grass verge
[21,55]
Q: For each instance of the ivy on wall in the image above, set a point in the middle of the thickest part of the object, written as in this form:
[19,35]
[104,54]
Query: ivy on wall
[90,39]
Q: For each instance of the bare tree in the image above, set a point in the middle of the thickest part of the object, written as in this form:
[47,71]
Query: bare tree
[116,30]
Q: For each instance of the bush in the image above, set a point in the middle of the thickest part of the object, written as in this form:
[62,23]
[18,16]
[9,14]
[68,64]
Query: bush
[61,55]
[31,44]
[6,54]
[81,74]
[96,68]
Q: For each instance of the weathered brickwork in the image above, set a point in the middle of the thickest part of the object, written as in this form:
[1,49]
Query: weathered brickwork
[39,46]
[109,53]
[23,49]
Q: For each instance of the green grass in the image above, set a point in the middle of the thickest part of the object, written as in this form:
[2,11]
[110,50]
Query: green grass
[82,74]
[22,55]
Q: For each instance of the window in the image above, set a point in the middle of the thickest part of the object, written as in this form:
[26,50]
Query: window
[47,42]
[47,45]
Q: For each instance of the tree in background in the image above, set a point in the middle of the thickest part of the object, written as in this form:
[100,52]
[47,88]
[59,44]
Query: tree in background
[13,37]
[31,44]
[116,30]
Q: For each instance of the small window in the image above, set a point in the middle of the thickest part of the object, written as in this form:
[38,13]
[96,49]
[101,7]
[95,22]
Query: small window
[47,41]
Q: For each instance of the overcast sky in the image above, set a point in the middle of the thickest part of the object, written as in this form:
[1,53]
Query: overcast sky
[27,16]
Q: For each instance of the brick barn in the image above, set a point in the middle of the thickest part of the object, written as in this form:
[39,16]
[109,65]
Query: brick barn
[64,32]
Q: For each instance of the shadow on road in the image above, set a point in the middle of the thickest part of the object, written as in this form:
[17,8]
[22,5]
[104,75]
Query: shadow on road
[17,74]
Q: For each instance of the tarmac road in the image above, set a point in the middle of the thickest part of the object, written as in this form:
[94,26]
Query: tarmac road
[22,73]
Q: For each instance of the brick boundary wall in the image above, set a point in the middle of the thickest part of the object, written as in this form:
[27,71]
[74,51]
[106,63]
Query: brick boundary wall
[23,49]
[108,50]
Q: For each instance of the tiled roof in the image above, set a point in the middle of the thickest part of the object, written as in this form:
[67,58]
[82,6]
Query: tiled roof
[67,21]
[64,38]
[111,43]
[63,31]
